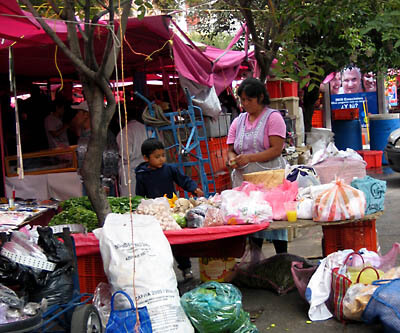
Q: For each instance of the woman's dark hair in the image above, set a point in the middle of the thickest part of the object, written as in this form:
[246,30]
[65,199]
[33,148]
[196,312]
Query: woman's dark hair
[254,88]
[150,145]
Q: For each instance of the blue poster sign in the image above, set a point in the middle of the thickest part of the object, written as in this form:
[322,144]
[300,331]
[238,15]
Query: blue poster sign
[351,101]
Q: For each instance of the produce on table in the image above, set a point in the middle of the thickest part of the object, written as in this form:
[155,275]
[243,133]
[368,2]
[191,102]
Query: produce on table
[79,211]
[160,209]
[180,219]
[182,205]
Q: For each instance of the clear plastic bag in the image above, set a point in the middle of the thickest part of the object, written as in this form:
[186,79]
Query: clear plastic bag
[213,217]
[216,307]
[102,301]
[341,202]
[238,207]
[356,299]
[10,298]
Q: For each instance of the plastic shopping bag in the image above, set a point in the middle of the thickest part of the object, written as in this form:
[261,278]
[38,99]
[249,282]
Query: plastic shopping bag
[238,207]
[279,195]
[341,202]
[125,320]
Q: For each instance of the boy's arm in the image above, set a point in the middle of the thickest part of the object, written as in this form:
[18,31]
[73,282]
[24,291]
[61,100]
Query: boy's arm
[140,188]
[184,181]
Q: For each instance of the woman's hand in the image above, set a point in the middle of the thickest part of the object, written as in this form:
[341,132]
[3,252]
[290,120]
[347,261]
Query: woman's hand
[242,159]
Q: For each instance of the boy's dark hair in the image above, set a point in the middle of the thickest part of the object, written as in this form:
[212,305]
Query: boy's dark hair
[254,88]
[150,145]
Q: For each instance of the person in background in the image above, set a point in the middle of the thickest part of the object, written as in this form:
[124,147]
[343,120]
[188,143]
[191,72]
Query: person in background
[336,83]
[154,178]
[136,135]
[255,142]
[369,82]
[351,80]
[56,130]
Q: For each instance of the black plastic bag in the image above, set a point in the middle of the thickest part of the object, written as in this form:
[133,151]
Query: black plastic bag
[55,250]
[57,287]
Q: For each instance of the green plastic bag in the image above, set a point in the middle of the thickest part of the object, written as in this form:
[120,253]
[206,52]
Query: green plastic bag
[217,307]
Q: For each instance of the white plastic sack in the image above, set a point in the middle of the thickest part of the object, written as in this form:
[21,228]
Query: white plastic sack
[341,202]
[155,280]
[305,209]
[319,286]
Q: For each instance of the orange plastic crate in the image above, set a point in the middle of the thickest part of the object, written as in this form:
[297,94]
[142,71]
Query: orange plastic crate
[282,88]
[355,235]
[372,157]
[317,120]
[345,114]
[90,272]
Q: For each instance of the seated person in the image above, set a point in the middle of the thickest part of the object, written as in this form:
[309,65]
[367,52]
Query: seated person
[154,178]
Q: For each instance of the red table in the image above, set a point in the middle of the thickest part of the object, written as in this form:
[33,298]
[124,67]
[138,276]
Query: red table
[221,241]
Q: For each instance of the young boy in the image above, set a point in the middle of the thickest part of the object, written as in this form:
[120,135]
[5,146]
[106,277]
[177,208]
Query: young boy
[154,178]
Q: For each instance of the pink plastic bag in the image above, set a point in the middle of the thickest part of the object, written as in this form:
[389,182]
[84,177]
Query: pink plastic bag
[279,195]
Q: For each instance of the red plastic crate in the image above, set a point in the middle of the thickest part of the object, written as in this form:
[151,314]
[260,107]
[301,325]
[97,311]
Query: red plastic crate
[355,235]
[372,157]
[222,182]
[282,88]
[218,149]
[345,114]
[317,120]
[90,272]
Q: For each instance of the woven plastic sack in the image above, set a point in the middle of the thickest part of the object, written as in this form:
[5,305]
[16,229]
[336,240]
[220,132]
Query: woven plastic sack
[273,273]
[301,276]
[341,202]
[216,307]
[384,305]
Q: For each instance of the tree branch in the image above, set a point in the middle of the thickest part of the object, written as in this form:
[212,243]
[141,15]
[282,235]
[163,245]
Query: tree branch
[109,59]
[78,62]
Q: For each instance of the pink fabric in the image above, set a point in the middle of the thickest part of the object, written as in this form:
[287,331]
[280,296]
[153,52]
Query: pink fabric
[275,127]
[89,244]
[144,36]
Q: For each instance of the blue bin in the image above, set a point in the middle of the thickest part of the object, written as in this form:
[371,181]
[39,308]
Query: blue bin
[347,134]
[380,127]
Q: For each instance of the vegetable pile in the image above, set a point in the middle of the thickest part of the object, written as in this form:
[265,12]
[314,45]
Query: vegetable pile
[80,211]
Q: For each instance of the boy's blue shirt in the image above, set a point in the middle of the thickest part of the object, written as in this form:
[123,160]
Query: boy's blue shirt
[154,183]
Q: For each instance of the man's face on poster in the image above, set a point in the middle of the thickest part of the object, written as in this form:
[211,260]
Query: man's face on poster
[351,81]
[369,82]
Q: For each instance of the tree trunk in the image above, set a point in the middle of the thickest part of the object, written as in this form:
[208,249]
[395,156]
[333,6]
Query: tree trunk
[310,98]
[94,155]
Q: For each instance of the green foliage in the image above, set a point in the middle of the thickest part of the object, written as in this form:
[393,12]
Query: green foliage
[79,210]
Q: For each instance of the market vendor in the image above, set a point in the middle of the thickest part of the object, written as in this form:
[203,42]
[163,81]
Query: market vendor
[255,142]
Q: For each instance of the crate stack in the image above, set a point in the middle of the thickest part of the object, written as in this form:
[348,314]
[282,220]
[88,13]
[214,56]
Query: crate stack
[217,131]
[284,95]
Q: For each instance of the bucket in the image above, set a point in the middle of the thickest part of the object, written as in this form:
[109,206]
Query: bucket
[216,269]
[380,127]
[347,134]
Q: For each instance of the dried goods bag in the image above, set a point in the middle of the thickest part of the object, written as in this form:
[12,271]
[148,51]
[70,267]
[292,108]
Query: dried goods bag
[340,202]
[154,277]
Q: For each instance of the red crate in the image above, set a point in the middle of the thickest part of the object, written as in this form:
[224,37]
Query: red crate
[90,272]
[317,120]
[218,149]
[355,235]
[345,114]
[222,182]
[372,157]
[282,88]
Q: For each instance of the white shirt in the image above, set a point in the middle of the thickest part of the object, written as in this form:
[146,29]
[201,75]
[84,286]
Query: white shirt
[53,123]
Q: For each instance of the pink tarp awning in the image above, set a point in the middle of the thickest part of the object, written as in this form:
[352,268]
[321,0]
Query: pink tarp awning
[35,54]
